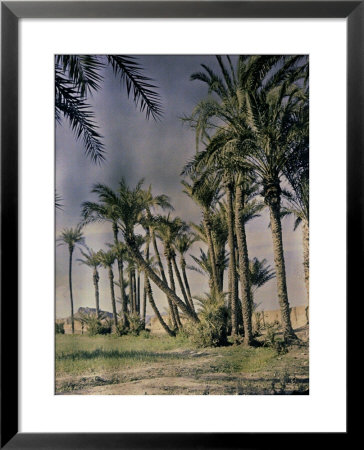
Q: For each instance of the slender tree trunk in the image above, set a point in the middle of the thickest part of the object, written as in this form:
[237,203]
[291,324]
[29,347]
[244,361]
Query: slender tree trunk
[306,262]
[275,221]
[97,295]
[158,282]
[232,264]
[208,228]
[113,302]
[164,279]
[70,286]
[180,282]
[134,292]
[138,292]
[185,279]
[244,271]
[131,299]
[121,279]
[173,287]
[144,307]
[155,309]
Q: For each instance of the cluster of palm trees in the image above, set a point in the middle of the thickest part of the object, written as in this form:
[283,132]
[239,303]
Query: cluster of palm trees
[252,139]
[253,127]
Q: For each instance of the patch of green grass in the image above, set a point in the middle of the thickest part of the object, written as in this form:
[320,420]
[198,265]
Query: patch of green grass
[84,354]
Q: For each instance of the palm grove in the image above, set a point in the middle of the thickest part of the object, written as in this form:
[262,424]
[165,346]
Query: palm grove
[251,153]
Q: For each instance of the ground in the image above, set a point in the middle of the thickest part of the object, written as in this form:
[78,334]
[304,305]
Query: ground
[151,364]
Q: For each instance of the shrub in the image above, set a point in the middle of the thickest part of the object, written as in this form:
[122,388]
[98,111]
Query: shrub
[136,324]
[95,325]
[60,328]
[211,331]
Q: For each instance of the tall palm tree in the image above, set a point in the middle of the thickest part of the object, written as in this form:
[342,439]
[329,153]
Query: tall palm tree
[106,210]
[71,237]
[107,260]
[77,76]
[206,196]
[91,259]
[261,104]
[131,209]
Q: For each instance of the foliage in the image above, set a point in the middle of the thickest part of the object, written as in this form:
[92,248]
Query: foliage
[95,325]
[211,331]
[59,328]
[77,76]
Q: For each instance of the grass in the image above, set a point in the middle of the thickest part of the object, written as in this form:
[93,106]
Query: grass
[84,362]
[89,354]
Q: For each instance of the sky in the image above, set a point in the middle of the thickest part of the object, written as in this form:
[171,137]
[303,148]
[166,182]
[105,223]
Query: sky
[138,148]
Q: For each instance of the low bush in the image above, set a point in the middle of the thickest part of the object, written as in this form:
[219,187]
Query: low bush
[59,328]
[211,331]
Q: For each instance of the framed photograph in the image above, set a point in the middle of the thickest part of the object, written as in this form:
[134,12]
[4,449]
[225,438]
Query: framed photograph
[181,199]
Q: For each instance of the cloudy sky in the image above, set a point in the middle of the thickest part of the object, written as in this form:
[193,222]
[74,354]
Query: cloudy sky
[156,151]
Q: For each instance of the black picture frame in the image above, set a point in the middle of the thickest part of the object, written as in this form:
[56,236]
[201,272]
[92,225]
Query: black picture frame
[11,12]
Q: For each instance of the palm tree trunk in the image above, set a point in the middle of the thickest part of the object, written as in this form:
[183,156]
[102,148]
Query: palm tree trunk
[185,279]
[208,228]
[155,309]
[70,286]
[275,221]
[158,282]
[121,279]
[244,271]
[163,275]
[138,292]
[232,264]
[113,302]
[134,292]
[144,306]
[173,288]
[179,279]
[306,261]
[131,301]
[97,295]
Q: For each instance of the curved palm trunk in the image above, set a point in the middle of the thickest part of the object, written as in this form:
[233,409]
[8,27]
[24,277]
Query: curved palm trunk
[70,286]
[96,278]
[306,262]
[208,228]
[158,282]
[113,303]
[234,301]
[185,280]
[244,271]
[275,221]
[179,279]
[124,306]
[155,309]
[163,275]
[173,287]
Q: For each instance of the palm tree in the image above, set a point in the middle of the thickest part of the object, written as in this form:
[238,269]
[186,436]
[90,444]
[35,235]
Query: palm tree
[107,260]
[261,105]
[168,230]
[152,203]
[71,237]
[77,76]
[106,210]
[206,196]
[131,209]
[260,273]
[91,259]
